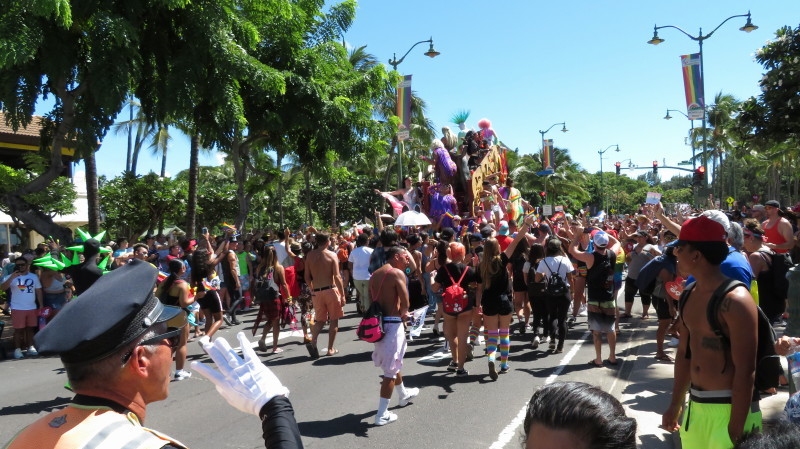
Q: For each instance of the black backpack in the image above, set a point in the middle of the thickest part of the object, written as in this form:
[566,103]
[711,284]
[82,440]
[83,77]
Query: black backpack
[768,363]
[555,283]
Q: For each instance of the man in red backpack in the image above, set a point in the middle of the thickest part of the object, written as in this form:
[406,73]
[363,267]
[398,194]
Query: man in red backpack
[718,369]
[388,288]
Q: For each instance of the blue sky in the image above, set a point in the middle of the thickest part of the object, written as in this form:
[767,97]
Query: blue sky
[528,64]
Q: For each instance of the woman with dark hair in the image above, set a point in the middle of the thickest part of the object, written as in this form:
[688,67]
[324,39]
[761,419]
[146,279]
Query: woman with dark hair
[493,299]
[577,415]
[206,284]
[555,263]
[174,291]
[520,288]
[438,260]
[536,295]
[272,279]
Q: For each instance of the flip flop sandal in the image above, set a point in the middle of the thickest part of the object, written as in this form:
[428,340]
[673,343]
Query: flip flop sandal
[594,364]
[614,363]
[313,351]
[665,358]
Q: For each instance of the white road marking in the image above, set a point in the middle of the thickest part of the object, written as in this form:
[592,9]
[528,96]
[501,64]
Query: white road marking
[511,429]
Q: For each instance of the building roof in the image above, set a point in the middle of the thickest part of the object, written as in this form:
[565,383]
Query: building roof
[27,138]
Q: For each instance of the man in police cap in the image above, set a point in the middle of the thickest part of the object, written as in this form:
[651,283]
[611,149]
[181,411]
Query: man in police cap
[117,342]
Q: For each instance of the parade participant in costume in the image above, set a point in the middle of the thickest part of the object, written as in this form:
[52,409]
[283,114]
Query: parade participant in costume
[116,344]
[493,300]
[409,193]
[443,165]
[460,119]
[512,199]
[86,273]
[174,291]
[443,206]
[486,132]
[388,288]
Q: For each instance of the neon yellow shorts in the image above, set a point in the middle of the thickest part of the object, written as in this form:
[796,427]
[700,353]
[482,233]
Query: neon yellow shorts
[705,426]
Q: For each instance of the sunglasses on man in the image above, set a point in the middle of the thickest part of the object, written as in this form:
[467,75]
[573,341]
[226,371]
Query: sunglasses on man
[172,337]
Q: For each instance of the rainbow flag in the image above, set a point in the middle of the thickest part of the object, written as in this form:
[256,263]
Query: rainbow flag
[557,216]
[547,148]
[514,198]
[693,86]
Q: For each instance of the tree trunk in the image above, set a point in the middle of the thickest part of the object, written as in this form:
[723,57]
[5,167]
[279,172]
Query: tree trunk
[279,160]
[164,163]
[92,197]
[28,213]
[307,179]
[334,221]
[238,148]
[130,136]
[191,207]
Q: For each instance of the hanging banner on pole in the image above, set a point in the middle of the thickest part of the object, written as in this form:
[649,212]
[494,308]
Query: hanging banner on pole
[547,149]
[404,108]
[693,86]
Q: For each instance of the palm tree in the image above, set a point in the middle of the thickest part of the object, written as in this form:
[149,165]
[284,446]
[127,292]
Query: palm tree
[160,145]
[567,181]
[143,133]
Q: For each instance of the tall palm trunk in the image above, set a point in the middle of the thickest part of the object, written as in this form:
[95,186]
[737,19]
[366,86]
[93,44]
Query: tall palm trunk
[191,207]
[92,197]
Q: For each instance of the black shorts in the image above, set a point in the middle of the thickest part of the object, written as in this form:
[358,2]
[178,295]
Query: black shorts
[662,307]
[210,302]
[495,306]
[519,285]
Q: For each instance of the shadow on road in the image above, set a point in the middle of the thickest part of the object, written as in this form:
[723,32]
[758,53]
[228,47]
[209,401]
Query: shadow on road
[350,423]
[33,408]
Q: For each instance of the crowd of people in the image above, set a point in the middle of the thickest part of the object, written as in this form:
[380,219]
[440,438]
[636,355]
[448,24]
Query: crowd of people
[482,281]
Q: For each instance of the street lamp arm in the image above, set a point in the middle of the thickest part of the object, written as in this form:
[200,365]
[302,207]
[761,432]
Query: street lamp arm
[397,62]
[551,127]
[679,111]
[723,23]
[694,38]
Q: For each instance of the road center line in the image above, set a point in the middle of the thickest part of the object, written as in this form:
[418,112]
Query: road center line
[511,429]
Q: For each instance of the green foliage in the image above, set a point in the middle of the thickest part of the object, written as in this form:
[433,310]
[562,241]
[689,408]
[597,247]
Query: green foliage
[58,198]
[355,199]
[133,204]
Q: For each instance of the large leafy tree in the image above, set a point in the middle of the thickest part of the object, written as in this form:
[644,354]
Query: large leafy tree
[174,55]
[566,186]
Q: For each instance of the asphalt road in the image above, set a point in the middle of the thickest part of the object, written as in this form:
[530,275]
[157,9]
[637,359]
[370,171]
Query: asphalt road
[335,398]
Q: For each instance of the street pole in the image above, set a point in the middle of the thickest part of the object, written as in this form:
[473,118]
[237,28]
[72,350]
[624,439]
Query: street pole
[563,130]
[602,184]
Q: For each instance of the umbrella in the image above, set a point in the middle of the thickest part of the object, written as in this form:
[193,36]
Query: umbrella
[412,218]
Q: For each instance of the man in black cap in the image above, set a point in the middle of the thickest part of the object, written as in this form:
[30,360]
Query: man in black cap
[117,343]
[778,232]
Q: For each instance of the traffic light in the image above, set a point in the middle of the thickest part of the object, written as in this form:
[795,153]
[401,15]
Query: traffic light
[655,167]
[699,176]
[544,196]
[617,164]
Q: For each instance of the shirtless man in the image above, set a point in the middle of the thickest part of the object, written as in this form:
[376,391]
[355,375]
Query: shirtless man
[388,287]
[327,292]
[718,376]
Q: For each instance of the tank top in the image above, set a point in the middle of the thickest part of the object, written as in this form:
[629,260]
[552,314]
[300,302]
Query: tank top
[56,286]
[600,277]
[172,300]
[772,235]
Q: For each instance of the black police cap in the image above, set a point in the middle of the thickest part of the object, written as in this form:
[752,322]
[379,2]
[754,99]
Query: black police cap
[113,312]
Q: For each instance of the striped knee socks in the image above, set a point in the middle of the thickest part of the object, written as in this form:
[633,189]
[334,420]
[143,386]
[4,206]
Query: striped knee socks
[473,335]
[505,345]
[491,344]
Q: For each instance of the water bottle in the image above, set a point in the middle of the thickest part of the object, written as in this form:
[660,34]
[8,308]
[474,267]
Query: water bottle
[794,366]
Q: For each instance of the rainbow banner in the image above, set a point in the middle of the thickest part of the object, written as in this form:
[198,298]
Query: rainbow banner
[693,86]
[404,108]
[547,149]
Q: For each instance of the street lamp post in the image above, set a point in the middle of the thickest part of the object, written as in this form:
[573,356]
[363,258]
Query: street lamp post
[602,186]
[394,62]
[691,139]
[655,40]
[563,130]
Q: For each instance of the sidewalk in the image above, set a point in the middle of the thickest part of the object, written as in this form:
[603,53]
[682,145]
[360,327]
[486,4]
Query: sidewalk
[646,386]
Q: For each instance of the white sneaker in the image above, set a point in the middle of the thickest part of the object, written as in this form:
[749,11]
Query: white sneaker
[18,353]
[385,419]
[582,311]
[673,343]
[536,342]
[32,351]
[182,374]
[411,393]
[204,340]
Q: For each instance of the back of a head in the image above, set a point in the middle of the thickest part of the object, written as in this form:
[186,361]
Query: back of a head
[388,237]
[321,239]
[780,435]
[553,248]
[448,234]
[586,410]
[362,239]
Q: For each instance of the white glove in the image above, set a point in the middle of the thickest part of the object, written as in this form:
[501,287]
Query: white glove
[246,384]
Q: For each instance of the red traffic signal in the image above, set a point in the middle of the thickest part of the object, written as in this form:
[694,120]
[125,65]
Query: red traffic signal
[655,167]
[617,165]
[699,177]
[701,169]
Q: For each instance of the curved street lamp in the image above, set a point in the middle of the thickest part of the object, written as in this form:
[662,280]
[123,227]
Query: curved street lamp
[563,130]
[602,185]
[691,140]
[655,40]
[394,62]
[431,53]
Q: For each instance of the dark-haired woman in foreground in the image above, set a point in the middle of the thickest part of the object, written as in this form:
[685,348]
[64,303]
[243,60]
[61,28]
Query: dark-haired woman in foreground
[577,415]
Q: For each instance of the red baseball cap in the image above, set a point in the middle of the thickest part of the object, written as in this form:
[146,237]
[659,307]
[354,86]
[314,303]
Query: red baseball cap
[702,229]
